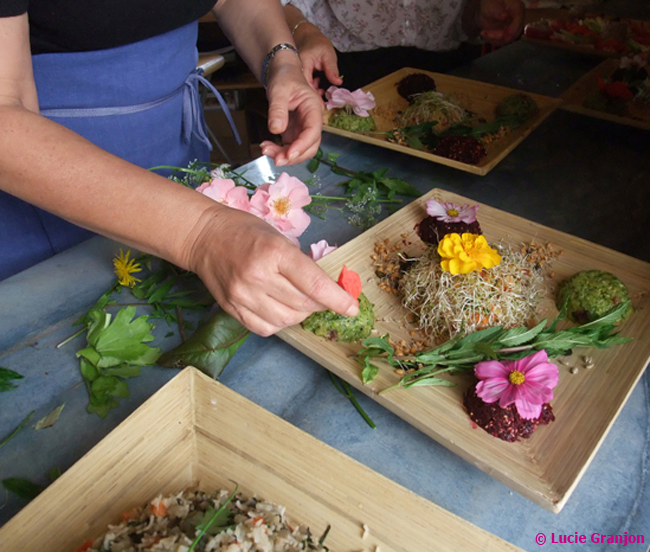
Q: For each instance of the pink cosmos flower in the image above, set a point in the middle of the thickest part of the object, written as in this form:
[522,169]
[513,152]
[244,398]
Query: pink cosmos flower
[320,249]
[526,382]
[358,101]
[281,203]
[227,192]
[448,212]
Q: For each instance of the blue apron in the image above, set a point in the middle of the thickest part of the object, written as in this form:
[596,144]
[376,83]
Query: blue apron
[139,102]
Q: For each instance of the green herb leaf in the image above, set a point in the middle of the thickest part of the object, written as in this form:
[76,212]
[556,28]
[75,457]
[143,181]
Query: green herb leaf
[6,376]
[210,347]
[15,431]
[22,487]
[50,419]
[207,525]
[463,353]
[369,372]
[313,165]
[123,340]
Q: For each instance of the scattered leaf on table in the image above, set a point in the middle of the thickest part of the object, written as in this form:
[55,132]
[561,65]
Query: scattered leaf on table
[210,347]
[22,487]
[50,419]
[6,376]
[22,424]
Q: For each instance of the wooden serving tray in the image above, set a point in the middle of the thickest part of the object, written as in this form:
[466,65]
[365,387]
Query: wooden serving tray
[196,432]
[546,467]
[478,97]
[588,84]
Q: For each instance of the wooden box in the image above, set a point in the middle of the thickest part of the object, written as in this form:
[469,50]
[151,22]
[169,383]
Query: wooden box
[195,432]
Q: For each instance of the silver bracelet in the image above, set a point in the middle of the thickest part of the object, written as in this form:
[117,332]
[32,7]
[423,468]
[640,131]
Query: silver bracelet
[271,55]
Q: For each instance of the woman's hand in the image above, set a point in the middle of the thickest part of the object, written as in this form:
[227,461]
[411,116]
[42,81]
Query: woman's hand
[257,275]
[318,54]
[295,112]
[499,21]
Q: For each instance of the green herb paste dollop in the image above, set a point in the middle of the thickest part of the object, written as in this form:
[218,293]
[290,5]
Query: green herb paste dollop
[337,327]
[591,294]
[351,122]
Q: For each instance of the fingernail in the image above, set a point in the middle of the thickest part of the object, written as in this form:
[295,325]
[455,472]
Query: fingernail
[280,162]
[275,125]
[353,310]
[293,155]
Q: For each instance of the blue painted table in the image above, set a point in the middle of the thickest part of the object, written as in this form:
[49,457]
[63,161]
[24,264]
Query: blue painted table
[579,175]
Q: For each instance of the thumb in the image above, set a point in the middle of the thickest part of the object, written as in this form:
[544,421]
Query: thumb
[331,70]
[278,111]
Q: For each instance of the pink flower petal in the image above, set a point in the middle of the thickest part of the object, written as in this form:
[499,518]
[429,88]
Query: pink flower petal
[526,363]
[358,100]
[491,390]
[436,209]
[535,393]
[227,192]
[528,410]
[321,248]
[509,395]
[491,369]
[546,375]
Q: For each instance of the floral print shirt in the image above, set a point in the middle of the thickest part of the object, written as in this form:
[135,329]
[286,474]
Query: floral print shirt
[356,25]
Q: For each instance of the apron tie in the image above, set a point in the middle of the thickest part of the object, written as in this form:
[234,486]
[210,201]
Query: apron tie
[193,121]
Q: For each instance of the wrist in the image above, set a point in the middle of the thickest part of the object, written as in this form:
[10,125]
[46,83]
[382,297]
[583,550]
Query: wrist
[280,53]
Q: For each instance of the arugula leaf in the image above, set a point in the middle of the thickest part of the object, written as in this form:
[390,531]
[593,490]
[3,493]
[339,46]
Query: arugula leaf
[210,347]
[6,376]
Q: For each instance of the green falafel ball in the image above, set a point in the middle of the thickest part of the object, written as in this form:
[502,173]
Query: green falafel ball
[520,106]
[591,294]
[351,122]
[337,327]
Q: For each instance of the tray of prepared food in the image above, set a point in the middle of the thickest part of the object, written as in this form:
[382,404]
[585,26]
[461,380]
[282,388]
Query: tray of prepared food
[199,467]
[462,123]
[513,344]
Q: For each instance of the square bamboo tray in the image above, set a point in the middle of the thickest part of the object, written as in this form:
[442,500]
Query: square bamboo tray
[195,432]
[575,96]
[547,467]
[479,97]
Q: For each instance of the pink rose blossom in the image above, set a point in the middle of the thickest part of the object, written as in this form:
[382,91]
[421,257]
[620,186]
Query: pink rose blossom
[448,212]
[319,249]
[280,204]
[527,382]
[358,101]
[227,192]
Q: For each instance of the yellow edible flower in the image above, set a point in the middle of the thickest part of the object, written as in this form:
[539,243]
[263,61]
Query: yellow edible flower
[124,267]
[466,253]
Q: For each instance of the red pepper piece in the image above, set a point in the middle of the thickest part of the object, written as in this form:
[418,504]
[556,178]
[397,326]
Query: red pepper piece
[616,89]
[350,282]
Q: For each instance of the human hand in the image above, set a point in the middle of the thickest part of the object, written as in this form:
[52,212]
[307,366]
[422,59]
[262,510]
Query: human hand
[259,276]
[317,54]
[500,21]
[295,112]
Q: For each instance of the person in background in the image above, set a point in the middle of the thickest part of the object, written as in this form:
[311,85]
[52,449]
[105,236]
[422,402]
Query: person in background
[355,42]
[94,93]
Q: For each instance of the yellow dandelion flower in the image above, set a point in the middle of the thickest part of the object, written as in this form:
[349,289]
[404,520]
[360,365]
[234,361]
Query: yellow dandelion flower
[124,268]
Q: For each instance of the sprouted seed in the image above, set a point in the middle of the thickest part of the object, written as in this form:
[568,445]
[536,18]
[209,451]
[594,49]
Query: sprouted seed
[433,106]
[446,305]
